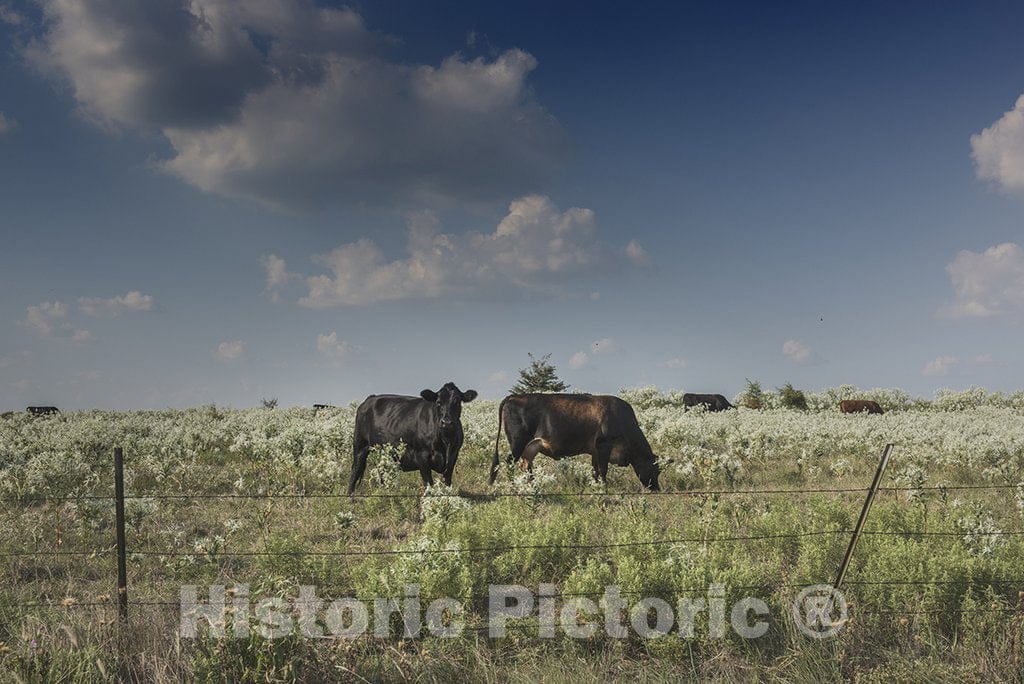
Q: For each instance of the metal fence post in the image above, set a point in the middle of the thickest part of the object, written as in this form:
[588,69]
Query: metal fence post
[863,515]
[122,552]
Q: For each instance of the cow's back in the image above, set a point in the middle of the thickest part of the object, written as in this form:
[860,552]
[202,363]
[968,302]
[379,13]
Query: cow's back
[859,406]
[388,418]
[573,422]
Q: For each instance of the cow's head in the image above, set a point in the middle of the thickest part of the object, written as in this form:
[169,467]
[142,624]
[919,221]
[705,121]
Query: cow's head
[648,472]
[449,400]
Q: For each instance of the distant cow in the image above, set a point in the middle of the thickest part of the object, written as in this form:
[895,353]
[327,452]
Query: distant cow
[42,410]
[562,425]
[429,425]
[320,407]
[859,406]
[712,402]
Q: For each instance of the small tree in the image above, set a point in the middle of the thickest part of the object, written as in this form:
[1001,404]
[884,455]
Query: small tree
[269,403]
[540,376]
[753,396]
[792,398]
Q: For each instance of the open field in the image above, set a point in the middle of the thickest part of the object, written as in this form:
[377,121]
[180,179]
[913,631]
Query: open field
[750,501]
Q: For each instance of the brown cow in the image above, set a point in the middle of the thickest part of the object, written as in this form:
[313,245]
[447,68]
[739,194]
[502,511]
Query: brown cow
[562,425]
[859,406]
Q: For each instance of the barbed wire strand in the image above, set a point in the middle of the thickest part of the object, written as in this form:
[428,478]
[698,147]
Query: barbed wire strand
[491,496]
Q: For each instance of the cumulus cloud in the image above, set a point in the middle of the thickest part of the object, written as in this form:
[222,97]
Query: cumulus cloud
[129,302]
[939,366]
[277,275]
[579,360]
[998,151]
[535,248]
[675,363]
[277,271]
[984,360]
[798,352]
[288,103]
[333,349]
[7,124]
[989,284]
[232,350]
[47,320]
[498,376]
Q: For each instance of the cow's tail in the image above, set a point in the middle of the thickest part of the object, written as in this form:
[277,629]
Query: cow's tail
[497,443]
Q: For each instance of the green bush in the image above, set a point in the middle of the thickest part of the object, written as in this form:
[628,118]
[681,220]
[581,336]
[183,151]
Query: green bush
[792,398]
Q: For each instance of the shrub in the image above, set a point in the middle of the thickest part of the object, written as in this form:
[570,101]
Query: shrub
[541,376]
[753,396]
[792,398]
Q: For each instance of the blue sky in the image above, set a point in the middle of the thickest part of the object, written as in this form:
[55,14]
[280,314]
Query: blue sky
[314,201]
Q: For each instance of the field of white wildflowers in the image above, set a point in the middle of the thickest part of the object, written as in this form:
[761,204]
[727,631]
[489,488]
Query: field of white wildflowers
[935,585]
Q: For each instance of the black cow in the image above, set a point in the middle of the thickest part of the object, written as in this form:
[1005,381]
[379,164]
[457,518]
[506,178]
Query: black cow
[712,402]
[42,410]
[429,425]
[562,425]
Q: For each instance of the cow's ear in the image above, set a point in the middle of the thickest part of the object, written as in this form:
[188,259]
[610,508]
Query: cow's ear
[468,396]
[429,395]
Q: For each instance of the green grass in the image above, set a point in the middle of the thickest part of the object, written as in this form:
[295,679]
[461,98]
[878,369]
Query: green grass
[968,626]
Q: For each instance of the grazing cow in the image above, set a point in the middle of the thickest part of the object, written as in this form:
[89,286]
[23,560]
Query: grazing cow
[42,410]
[859,406]
[712,402]
[430,427]
[562,425]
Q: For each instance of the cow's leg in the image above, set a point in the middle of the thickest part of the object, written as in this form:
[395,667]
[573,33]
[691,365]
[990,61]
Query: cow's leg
[426,474]
[450,458]
[518,446]
[358,466]
[530,451]
[601,457]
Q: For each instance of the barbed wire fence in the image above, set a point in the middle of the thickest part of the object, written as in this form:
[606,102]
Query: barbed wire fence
[121,550]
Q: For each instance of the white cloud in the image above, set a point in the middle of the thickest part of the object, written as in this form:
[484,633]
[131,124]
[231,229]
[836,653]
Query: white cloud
[636,252]
[939,366]
[47,321]
[289,103]
[989,284]
[605,345]
[78,335]
[333,349]
[277,271]
[129,302]
[998,151]
[233,350]
[498,376]
[798,352]
[535,248]
[675,363]
[7,124]
[277,275]
[579,360]
[984,360]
